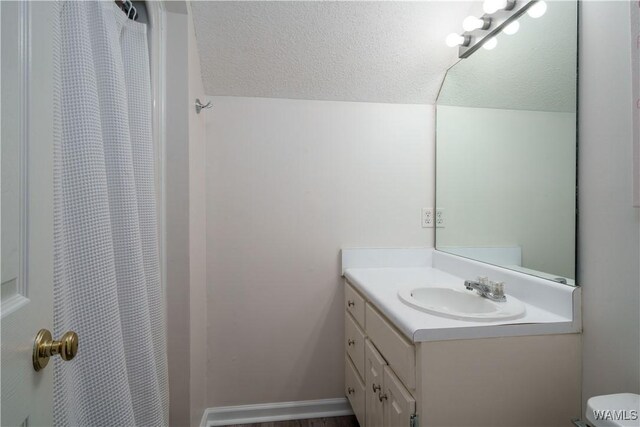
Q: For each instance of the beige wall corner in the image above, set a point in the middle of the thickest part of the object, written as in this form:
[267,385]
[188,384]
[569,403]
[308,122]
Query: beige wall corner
[185,222]
[197,235]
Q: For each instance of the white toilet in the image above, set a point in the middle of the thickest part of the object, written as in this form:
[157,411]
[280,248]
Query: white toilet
[614,410]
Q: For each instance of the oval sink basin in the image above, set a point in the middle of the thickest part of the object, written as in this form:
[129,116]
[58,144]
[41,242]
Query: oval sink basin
[461,304]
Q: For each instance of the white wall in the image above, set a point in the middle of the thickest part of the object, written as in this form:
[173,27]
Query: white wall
[609,230]
[197,237]
[185,200]
[290,183]
[508,178]
[177,218]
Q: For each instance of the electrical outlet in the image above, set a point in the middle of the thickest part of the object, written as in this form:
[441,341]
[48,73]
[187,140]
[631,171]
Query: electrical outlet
[439,218]
[427,217]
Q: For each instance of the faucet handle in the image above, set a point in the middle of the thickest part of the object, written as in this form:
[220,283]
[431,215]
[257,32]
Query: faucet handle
[497,288]
[483,280]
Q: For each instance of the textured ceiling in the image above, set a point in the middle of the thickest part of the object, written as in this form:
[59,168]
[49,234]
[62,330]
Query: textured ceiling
[348,51]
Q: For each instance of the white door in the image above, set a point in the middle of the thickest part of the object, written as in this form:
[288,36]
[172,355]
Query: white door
[26,117]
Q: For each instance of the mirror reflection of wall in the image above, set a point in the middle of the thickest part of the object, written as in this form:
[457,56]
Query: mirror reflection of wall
[506,149]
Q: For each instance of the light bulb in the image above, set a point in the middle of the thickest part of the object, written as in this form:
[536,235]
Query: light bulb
[471,23]
[491,43]
[538,9]
[454,40]
[512,28]
[492,6]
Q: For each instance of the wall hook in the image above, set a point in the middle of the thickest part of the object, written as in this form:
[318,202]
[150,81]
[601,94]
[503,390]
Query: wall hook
[200,106]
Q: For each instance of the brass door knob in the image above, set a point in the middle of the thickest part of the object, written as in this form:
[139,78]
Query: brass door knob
[44,347]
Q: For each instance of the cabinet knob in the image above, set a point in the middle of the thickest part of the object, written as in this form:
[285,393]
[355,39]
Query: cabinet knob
[351,303]
[376,387]
[350,390]
[351,342]
[382,397]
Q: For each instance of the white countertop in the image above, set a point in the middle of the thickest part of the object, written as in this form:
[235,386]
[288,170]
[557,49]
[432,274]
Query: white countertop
[380,285]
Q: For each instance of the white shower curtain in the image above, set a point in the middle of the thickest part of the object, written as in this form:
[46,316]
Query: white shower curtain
[107,276]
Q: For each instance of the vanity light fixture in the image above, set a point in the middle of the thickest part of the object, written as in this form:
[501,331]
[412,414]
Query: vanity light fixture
[471,23]
[500,15]
[538,9]
[490,43]
[512,28]
[454,40]
[492,6]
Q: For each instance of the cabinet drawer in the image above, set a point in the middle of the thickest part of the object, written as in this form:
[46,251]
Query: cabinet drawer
[354,390]
[395,348]
[354,343]
[354,303]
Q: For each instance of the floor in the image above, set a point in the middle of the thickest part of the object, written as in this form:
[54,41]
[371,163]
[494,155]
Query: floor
[349,421]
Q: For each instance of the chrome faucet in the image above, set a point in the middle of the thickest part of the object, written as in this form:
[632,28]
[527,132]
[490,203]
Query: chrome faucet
[487,289]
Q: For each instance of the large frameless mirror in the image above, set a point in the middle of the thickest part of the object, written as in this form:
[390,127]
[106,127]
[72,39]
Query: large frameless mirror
[506,149]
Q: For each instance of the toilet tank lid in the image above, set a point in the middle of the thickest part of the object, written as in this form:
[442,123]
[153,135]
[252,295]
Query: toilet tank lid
[614,410]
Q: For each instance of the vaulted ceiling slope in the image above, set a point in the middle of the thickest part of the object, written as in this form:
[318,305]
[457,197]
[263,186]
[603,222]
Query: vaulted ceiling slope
[390,52]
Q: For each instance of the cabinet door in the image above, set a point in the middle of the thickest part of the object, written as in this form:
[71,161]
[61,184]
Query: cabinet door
[399,405]
[374,377]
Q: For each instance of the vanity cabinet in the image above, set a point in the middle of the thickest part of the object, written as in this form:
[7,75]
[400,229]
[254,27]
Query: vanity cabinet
[355,343]
[398,351]
[391,381]
[355,390]
[399,405]
[354,303]
[378,395]
[374,377]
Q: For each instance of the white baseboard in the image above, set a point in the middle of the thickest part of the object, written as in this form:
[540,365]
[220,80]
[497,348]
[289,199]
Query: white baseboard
[269,412]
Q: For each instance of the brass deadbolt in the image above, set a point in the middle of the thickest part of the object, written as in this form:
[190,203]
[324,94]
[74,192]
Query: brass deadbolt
[44,347]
